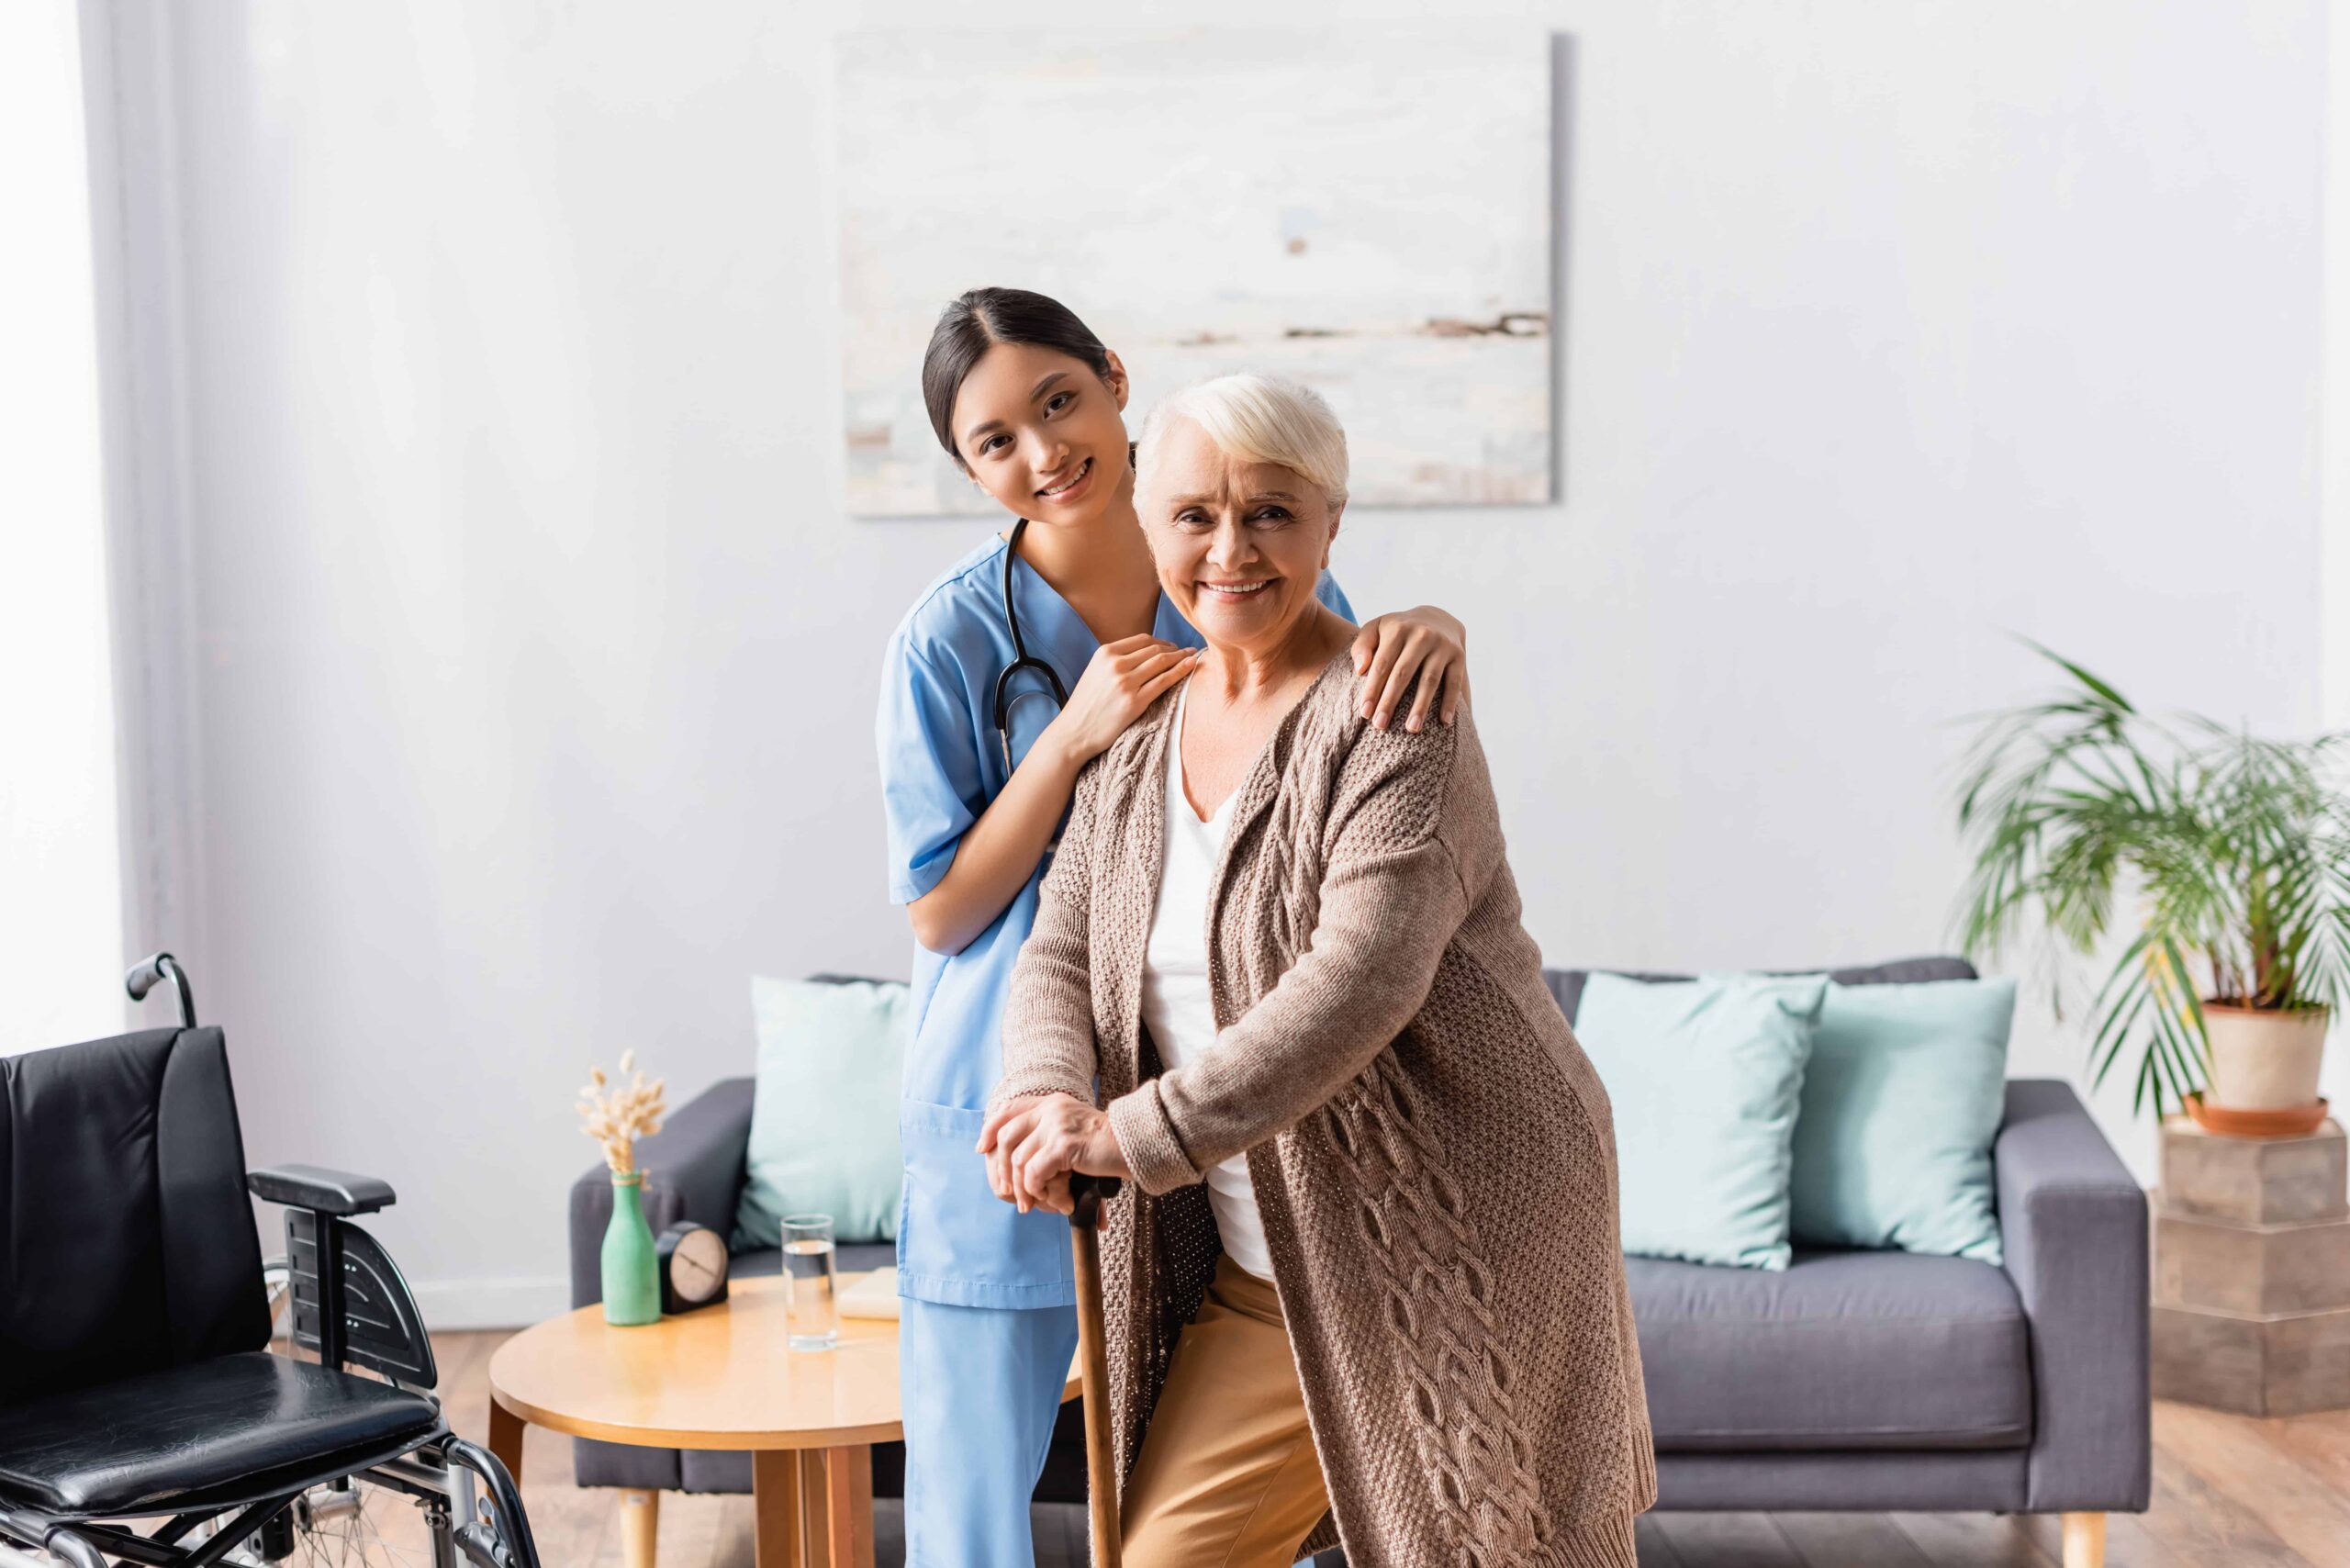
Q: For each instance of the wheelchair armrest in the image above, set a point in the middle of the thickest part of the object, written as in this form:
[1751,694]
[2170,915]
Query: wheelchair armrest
[337,1192]
[337,1265]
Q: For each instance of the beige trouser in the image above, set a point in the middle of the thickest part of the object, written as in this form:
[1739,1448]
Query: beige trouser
[1227,1477]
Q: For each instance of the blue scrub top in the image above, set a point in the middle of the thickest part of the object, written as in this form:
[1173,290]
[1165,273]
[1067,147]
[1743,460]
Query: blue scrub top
[941,763]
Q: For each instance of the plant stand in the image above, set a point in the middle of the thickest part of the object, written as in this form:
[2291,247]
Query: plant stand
[2250,1306]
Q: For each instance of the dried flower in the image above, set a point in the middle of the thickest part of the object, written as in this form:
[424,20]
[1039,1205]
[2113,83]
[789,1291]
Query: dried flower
[617,1115]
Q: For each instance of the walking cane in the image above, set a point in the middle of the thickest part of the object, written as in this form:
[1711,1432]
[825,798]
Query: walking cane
[1086,1193]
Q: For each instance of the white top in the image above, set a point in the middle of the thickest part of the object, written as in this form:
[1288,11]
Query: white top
[1175,1001]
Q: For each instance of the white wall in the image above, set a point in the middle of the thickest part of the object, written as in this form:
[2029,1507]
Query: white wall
[60,888]
[533,660]
[2334,408]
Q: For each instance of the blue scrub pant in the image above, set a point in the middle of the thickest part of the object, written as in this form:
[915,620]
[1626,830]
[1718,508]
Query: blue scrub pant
[980,1386]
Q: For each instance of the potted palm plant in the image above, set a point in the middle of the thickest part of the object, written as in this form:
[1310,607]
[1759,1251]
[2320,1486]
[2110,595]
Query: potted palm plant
[2235,852]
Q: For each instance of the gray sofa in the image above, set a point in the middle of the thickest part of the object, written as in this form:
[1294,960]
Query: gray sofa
[1853,1380]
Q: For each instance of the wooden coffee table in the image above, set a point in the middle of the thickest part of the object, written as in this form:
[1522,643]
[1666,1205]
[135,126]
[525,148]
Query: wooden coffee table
[721,1378]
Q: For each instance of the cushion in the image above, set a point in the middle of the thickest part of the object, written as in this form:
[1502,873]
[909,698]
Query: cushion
[1704,1077]
[1842,1349]
[1567,984]
[1902,1096]
[127,1241]
[824,1113]
[222,1428]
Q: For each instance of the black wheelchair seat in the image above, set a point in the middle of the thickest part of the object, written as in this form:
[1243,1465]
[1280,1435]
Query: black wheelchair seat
[219,1432]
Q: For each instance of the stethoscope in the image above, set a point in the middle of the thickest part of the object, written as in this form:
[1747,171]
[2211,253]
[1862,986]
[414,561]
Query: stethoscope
[1020,659]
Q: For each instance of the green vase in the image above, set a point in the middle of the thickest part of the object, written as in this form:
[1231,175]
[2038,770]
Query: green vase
[631,1288]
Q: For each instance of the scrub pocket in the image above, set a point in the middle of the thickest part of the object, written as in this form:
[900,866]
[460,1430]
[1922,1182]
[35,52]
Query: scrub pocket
[957,1242]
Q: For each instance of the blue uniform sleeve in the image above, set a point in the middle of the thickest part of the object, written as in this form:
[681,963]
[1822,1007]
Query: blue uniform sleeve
[931,785]
[1328,591]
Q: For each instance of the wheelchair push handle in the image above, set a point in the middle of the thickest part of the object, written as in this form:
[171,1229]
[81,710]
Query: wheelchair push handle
[144,975]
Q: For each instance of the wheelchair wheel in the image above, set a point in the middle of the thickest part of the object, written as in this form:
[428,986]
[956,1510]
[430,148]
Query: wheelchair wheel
[346,1523]
[448,1505]
[348,1526]
[430,1515]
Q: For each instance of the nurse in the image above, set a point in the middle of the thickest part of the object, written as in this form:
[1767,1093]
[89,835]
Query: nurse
[1012,670]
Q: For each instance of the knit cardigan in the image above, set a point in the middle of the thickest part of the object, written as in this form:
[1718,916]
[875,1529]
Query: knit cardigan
[1432,1153]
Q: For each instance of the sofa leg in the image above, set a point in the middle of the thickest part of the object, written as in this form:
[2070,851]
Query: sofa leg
[2083,1540]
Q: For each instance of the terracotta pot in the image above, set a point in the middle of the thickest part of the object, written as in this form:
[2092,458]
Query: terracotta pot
[2264,1059]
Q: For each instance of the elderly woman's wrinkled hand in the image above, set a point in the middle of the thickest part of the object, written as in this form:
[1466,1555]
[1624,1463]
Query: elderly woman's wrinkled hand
[1033,1146]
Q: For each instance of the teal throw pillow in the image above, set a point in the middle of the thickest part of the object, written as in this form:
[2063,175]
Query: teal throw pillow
[824,1116]
[1704,1077]
[1905,1091]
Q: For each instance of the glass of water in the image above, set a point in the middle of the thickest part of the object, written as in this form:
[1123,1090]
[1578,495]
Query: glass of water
[811,1315]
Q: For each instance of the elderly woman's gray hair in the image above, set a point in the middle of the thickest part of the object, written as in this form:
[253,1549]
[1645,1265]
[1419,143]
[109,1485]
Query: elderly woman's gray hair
[1258,418]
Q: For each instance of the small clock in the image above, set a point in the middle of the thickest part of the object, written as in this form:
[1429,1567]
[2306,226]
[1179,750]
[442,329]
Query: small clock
[692,1261]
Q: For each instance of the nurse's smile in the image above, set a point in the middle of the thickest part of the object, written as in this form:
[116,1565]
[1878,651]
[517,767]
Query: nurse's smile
[1073,488]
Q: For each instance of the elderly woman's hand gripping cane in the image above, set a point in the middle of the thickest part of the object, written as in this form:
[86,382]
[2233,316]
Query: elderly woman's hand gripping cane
[1033,1146]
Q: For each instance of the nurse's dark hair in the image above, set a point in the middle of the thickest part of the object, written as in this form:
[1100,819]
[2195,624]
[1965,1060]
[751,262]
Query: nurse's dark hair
[983,317]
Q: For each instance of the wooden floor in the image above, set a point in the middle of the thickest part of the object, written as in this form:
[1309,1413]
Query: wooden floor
[2230,1492]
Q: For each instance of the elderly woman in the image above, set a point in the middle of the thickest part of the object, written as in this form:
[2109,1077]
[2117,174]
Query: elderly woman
[1368,1263]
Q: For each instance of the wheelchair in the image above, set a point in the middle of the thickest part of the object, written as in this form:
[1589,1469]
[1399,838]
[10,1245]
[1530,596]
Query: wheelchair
[136,1313]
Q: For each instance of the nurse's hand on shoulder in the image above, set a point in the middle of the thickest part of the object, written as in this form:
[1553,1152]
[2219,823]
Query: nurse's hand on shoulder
[1034,1146]
[1426,641]
[1121,679]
